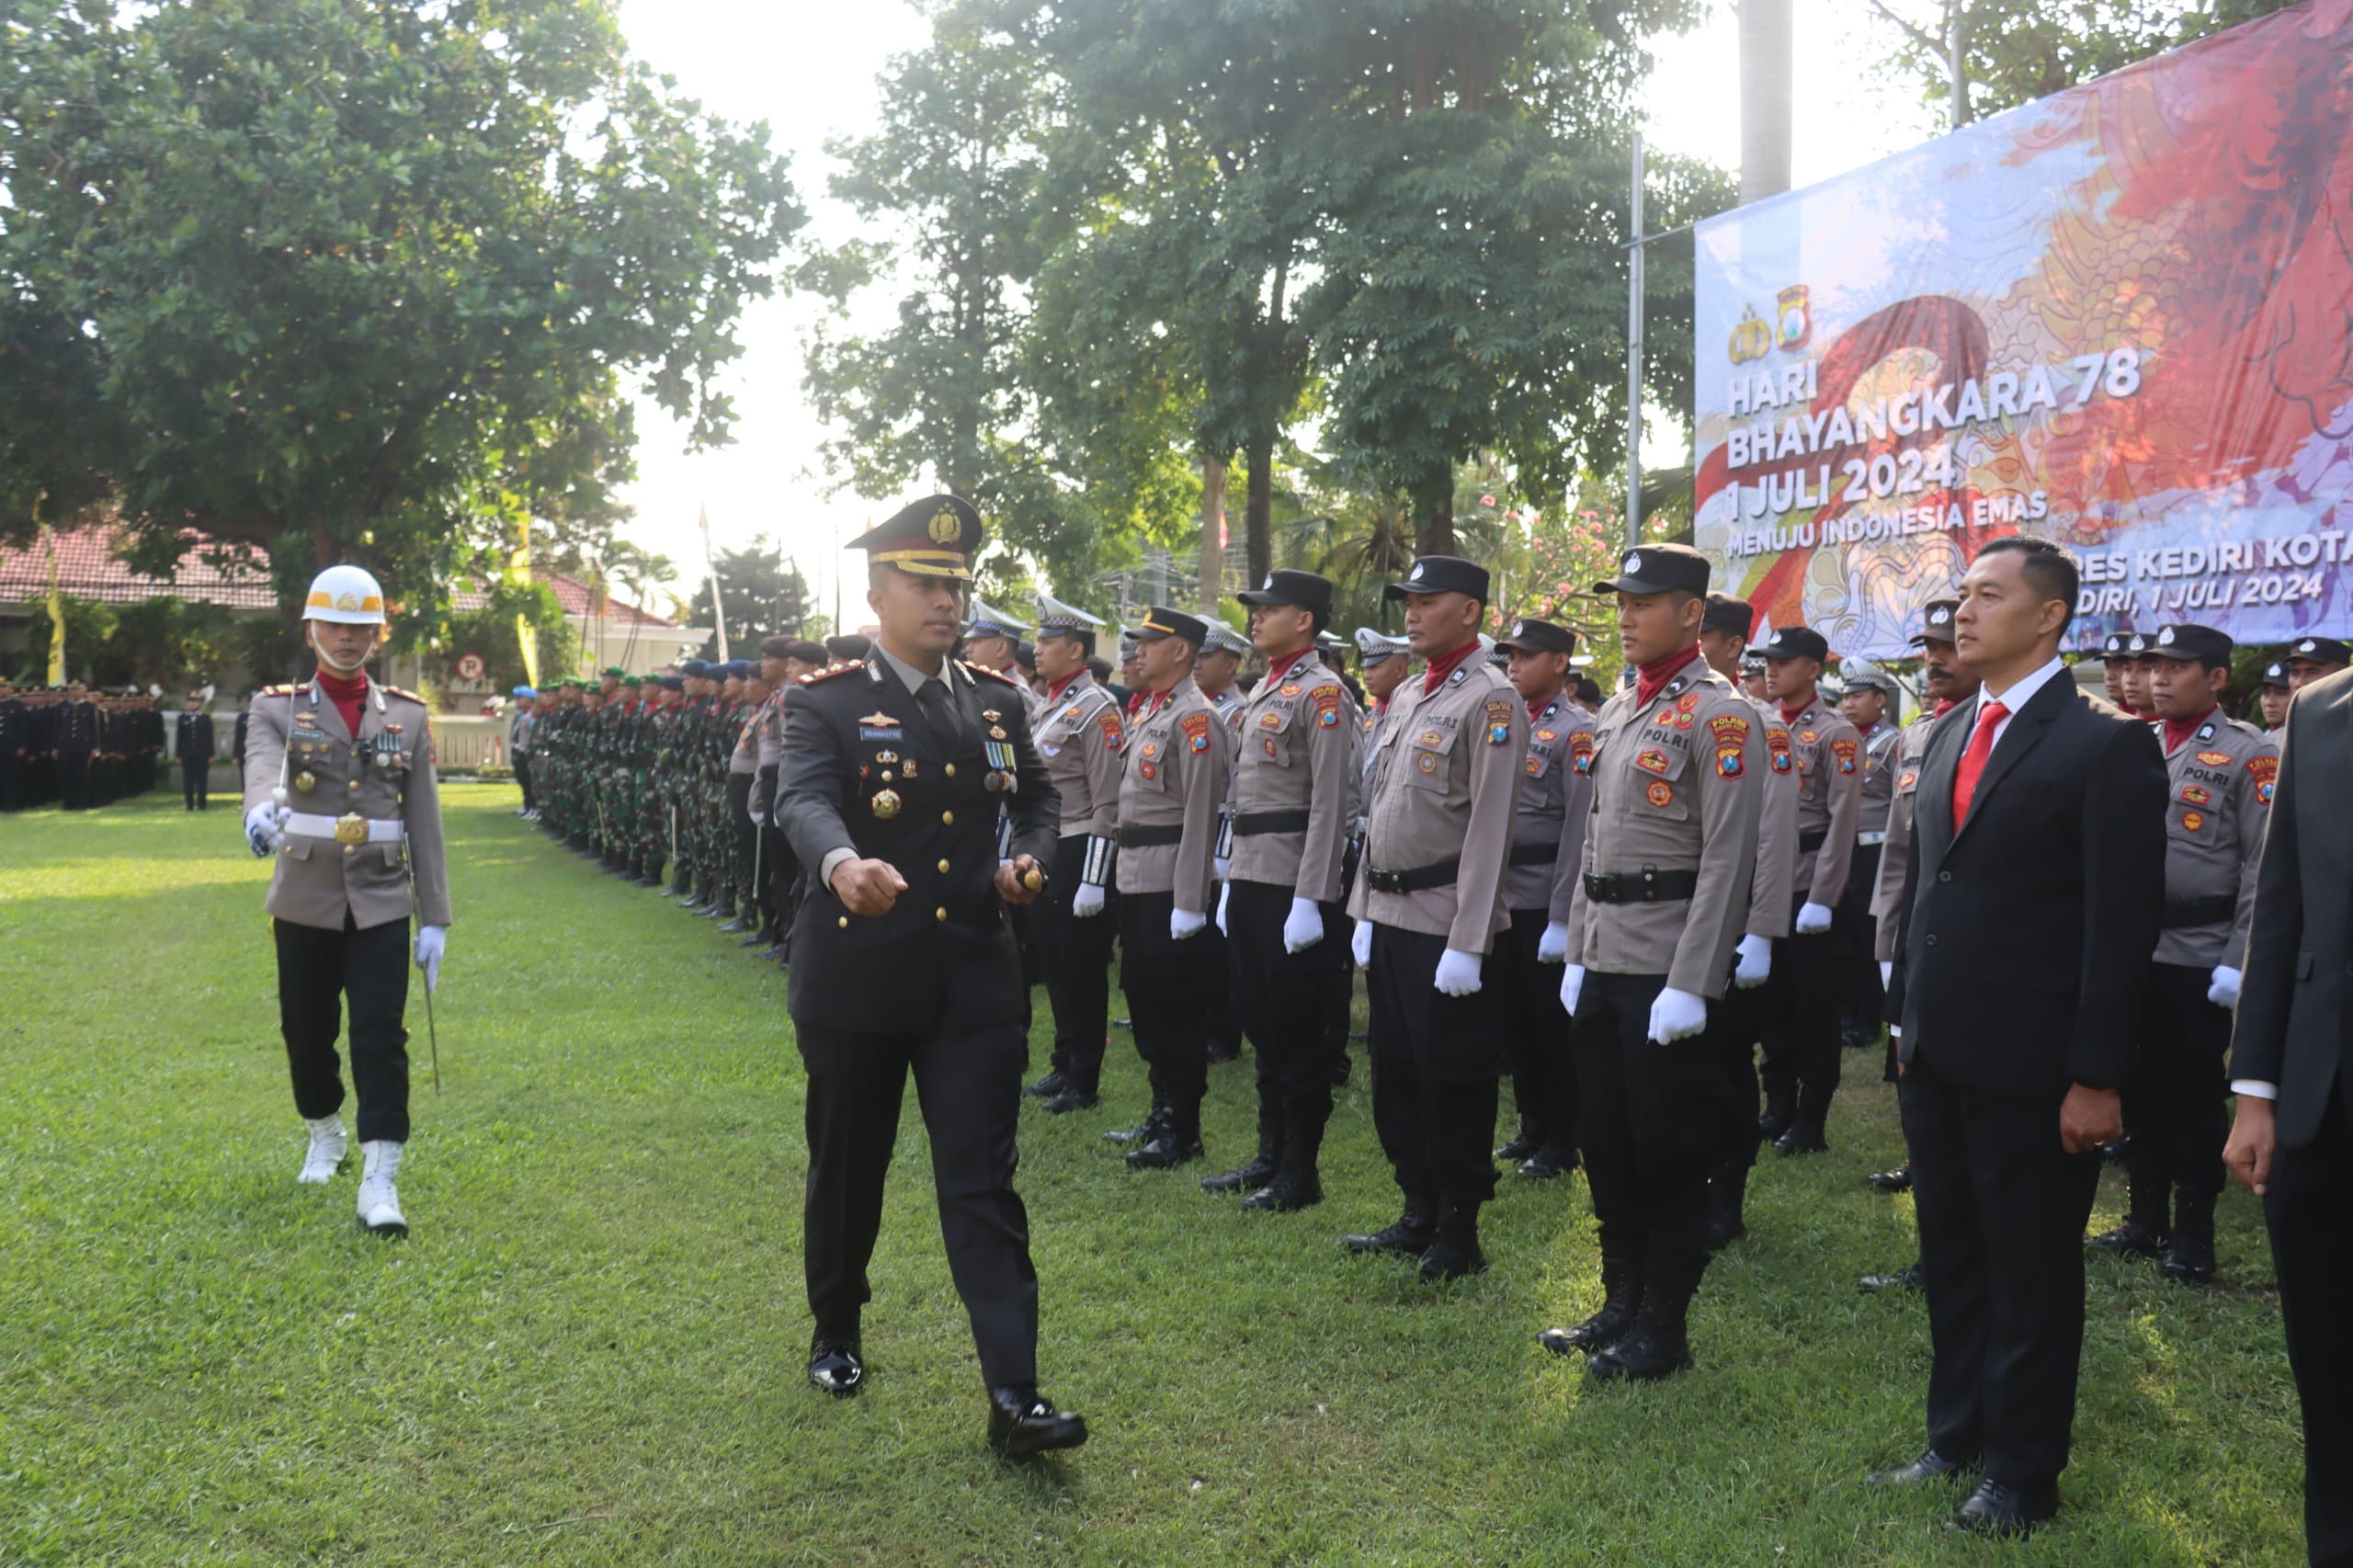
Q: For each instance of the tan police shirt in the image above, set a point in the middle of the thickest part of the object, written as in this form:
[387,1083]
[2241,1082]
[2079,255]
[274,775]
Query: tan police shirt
[1829,755]
[382,776]
[1173,776]
[1080,735]
[1444,786]
[1675,789]
[1555,797]
[1296,754]
[2221,779]
[1894,874]
[1772,896]
[1881,751]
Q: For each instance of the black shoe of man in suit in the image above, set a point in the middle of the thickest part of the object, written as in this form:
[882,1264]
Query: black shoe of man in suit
[1930,1466]
[836,1367]
[1024,1423]
[1994,1509]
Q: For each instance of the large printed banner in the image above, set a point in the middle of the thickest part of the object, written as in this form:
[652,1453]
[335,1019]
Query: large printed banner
[2121,318]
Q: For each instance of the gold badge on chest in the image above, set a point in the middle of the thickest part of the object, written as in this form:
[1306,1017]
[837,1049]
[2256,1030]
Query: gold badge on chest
[886,804]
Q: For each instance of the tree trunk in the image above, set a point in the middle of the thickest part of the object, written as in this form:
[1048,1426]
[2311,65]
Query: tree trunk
[1434,511]
[1258,517]
[1212,532]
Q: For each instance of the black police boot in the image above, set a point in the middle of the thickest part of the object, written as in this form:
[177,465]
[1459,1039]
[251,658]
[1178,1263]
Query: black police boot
[1144,1131]
[1804,1133]
[1904,1279]
[1177,1143]
[1261,1166]
[1023,1423]
[1416,1227]
[1621,1299]
[2189,1259]
[1727,1198]
[1454,1252]
[1894,1179]
[1296,1185]
[1047,1087]
[1780,1110]
[1520,1147]
[1550,1160]
[1656,1348]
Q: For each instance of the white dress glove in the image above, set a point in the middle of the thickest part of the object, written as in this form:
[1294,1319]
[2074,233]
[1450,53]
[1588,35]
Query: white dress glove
[1676,1014]
[1814,920]
[430,942]
[1224,897]
[1360,944]
[1458,972]
[1552,946]
[1303,926]
[1755,962]
[1886,975]
[2224,991]
[265,827]
[1571,987]
[1087,902]
[1184,923]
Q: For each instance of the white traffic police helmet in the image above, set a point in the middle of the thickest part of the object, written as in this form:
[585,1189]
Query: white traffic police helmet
[345,594]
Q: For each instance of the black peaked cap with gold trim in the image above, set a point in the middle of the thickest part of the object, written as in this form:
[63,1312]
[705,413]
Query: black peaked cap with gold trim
[938,536]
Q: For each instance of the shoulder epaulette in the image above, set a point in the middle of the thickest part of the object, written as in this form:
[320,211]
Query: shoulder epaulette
[404,696]
[277,691]
[830,671]
[993,675]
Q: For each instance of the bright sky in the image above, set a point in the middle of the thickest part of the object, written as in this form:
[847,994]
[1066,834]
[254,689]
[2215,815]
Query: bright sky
[809,71]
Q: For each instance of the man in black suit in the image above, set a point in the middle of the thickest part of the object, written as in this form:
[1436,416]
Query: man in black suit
[194,748]
[2037,885]
[893,771]
[2291,1140]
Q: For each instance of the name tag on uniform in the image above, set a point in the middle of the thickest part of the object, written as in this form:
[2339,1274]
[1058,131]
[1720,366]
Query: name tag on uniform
[880,727]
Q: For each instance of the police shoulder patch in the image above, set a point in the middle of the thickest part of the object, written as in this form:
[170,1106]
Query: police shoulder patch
[993,675]
[1498,721]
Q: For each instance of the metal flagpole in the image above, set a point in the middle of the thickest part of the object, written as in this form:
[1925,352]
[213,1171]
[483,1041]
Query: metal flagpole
[1634,362]
[718,610]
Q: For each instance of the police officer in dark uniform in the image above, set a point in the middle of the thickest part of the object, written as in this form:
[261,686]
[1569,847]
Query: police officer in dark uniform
[74,742]
[194,748]
[892,772]
[15,727]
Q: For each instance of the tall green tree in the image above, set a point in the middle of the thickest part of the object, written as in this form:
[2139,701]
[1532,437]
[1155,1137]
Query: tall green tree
[359,279]
[766,595]
[1974,57]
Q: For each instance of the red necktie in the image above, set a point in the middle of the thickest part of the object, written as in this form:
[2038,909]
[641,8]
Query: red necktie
[1973,761]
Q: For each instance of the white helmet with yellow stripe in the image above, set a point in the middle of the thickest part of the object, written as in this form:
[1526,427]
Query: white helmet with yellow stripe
[346,594]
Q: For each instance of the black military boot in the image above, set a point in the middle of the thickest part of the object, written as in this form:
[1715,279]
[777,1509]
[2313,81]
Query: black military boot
[1144,1131]
[1047,1087]
[1073,1096]
[1416,1227]
[1551,1160]
[1804,1133]
[2189,1258]
[1261,1166]
[1178,1143]
[1780,1109]
[1656,1348]
[1727,1200]
[1454,1251]
[1295,1184]
[1523,1145]
[1621,1299]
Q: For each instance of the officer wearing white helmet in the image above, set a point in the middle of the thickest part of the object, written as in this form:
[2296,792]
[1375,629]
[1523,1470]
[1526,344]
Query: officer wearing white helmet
[339,788]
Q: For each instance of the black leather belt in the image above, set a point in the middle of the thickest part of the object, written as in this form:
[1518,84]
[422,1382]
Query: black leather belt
[2211,910]
[1544,853]
[1147,838]
[1440,874]
[1810,842]
[1639,887]
[1247,824]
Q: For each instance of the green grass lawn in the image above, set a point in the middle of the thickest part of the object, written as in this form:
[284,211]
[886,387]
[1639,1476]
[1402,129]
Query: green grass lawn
[590,1348]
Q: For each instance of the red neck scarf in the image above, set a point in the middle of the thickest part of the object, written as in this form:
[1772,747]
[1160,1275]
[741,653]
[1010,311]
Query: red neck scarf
[1054,692]
[1445,664]
[1536,705]
[1790,714]
[348,696]
[1279,667]
[2180,730]
[1652,679]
